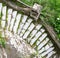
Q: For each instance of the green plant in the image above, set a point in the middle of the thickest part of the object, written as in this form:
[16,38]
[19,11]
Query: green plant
[2,41]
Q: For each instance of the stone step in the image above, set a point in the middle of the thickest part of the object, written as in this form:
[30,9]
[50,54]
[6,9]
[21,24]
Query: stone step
[9,16]
[16,23]
[14,14]
[23,20]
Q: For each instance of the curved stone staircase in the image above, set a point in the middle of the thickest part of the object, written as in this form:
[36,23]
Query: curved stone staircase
[24,35]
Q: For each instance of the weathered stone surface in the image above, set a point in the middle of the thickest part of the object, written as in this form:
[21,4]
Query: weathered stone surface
[2,52]
[16,47]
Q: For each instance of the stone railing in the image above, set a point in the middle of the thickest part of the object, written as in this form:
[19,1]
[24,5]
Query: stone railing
[25,36]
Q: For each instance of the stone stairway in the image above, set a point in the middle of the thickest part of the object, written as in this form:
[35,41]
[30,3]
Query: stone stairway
[17,27]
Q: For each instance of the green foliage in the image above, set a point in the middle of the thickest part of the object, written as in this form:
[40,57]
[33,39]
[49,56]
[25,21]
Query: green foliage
[55,20]
[2,41]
